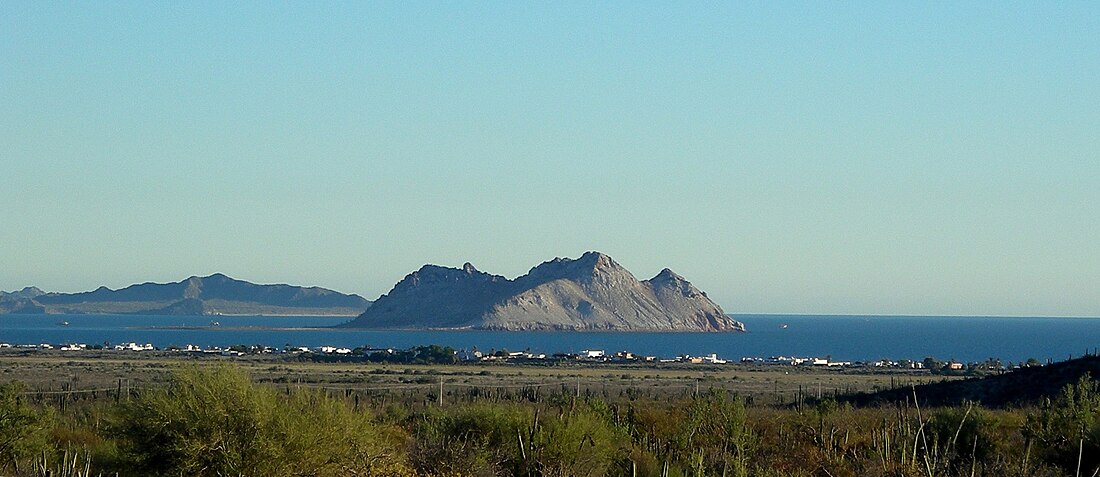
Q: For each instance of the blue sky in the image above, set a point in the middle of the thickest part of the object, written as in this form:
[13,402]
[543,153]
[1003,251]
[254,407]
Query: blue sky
[807,157]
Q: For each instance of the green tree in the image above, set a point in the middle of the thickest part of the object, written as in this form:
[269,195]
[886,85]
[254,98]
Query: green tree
[931,363]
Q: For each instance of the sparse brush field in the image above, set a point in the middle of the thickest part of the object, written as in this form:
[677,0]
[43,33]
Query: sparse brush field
[60,371]
[168,415]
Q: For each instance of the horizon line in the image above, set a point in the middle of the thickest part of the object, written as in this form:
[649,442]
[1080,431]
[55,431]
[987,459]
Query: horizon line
[914,315]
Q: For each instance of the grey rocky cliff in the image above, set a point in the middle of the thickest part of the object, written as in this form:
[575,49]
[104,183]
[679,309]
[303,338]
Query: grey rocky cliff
[441,297]
[590,293]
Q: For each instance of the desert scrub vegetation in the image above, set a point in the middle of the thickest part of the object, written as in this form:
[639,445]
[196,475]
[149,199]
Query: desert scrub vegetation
[217,421]
[23,429]
[517,439]
[1066,429]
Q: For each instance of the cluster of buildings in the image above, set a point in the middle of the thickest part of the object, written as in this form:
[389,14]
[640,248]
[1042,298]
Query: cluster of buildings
[474,355]
[239,350]
[904,364]
[797,361]
[82,347]
[588,355]
[130,346]
[927,363]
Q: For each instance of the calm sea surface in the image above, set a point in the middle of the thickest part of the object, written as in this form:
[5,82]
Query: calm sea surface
[851,338]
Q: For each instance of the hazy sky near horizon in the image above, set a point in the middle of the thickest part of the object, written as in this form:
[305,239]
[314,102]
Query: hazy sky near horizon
[806,157]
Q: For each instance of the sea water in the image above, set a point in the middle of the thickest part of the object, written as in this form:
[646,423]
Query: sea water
[843,338]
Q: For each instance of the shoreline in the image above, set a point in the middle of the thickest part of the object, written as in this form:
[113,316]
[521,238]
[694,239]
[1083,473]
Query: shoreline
[231,328]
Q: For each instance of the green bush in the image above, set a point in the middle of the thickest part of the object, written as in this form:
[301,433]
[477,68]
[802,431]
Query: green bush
[480,439]
[512,439]
[1068,427]
[217,422]
[962,435]
[710,437]
[581,443]
[717,436]
[24,430]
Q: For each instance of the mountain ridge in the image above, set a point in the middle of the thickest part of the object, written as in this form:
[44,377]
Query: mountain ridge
[215,294]
[589,293]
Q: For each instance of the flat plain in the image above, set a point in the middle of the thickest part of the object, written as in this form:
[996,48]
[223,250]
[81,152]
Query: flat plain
[90,372]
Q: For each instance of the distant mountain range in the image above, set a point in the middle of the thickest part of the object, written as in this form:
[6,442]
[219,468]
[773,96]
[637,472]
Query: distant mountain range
[213,295]
[590,293]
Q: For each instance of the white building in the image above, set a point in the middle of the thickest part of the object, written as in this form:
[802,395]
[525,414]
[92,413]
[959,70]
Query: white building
[592,353]
[134,347]
[713,359]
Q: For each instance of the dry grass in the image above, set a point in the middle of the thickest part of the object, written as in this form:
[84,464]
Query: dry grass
[64,371]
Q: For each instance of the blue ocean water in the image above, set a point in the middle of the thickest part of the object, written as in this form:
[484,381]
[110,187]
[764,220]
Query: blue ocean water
[850,338]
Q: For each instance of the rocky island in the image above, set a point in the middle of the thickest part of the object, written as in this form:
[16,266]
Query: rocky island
[590,293]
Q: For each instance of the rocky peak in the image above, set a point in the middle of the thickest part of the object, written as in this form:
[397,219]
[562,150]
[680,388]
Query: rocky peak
[429,274]
[598,260]
[670,279]
[435,274]
[590,267]
[667,275]
[26,292]
[596,263]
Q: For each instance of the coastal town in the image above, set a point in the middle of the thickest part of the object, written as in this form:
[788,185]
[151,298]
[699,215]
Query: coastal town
[435,354]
